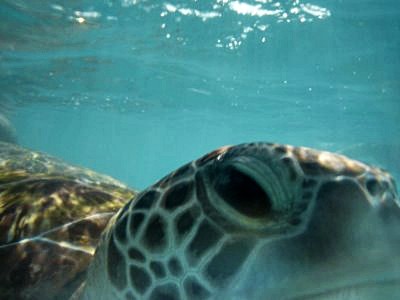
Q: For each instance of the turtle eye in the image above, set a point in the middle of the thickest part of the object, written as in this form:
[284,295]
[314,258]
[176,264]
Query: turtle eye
[242,193]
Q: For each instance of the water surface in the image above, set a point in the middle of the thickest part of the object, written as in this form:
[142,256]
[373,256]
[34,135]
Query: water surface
[136,88]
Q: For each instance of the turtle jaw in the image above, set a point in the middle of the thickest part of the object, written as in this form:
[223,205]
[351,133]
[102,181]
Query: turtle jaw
[349,250]
[373,275]
[378,282]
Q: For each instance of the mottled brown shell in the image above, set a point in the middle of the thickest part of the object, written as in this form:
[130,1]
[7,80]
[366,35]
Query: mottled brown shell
[51,218]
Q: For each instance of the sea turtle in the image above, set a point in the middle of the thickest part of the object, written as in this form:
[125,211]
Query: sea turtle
[251,221]
[7,131]
[51,217]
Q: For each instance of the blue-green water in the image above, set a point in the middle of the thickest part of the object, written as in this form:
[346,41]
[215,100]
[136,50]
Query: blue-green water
[136,88]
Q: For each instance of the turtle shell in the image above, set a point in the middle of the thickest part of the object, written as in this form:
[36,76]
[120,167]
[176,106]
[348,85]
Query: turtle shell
[51,218]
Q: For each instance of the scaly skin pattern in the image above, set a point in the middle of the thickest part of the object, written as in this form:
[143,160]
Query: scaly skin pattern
[51,218]
[254,221]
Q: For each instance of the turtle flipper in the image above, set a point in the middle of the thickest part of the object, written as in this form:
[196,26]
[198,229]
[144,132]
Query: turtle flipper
[55,261]
[7,131]
[36,269]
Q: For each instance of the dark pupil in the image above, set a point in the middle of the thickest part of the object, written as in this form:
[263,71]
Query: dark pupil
[242,193]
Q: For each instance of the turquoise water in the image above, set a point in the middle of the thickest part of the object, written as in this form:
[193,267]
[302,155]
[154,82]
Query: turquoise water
[135,89]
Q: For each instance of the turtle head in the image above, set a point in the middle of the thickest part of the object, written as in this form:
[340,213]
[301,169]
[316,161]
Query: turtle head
[254,221]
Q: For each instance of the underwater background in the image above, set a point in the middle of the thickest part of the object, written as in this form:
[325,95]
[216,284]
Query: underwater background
[136,88]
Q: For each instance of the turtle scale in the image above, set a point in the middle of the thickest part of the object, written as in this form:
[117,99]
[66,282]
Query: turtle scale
[51,218]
